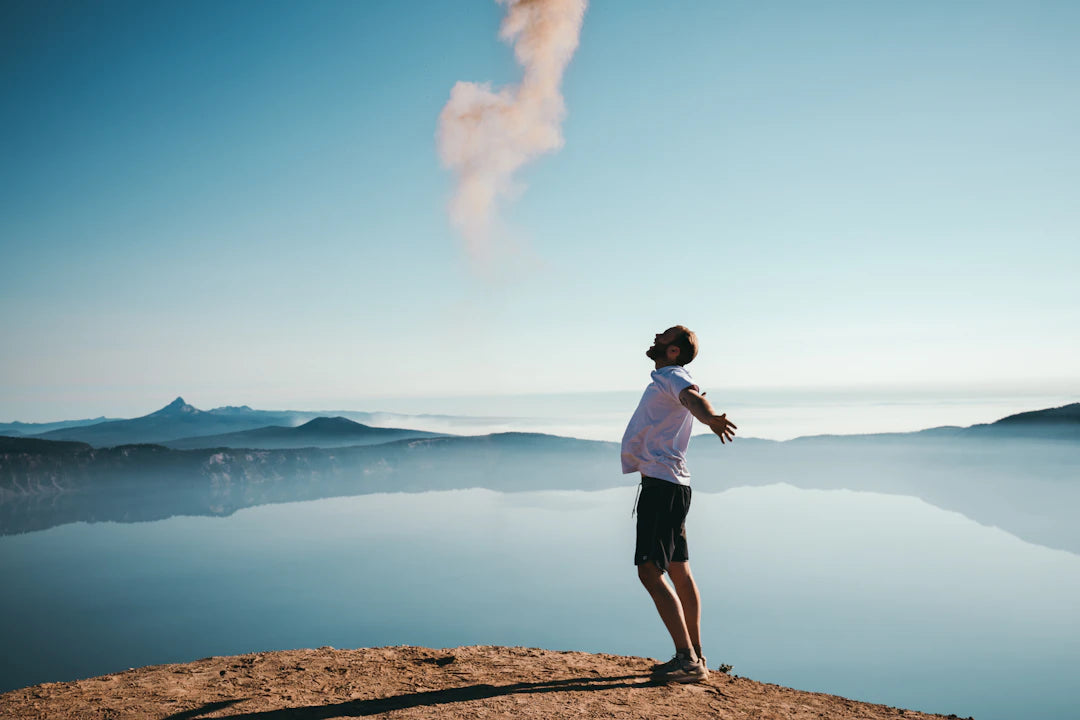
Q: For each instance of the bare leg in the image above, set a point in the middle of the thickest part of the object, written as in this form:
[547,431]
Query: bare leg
[667,604]
[689,599]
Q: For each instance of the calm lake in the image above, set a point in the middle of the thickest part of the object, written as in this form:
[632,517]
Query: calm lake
[881,598]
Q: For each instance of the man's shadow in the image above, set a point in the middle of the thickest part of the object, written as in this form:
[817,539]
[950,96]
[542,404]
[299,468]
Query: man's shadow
[374,706]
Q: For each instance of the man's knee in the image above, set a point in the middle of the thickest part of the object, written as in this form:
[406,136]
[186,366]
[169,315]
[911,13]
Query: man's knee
[649,574]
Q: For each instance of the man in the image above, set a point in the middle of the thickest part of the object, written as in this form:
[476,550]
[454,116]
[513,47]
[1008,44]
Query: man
[654,445]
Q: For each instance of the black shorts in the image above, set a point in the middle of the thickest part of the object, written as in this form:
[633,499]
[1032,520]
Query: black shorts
[661,523]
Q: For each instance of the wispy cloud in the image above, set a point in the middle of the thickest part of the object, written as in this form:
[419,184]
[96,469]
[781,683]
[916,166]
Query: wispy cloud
[486,135]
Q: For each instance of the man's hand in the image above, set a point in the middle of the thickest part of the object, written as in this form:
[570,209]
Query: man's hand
[723,427]
[694,401]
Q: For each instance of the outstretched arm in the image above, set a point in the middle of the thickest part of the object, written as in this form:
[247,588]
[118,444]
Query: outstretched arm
[699,407]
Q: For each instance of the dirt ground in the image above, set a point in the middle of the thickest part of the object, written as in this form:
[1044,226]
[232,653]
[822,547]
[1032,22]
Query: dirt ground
[412,682]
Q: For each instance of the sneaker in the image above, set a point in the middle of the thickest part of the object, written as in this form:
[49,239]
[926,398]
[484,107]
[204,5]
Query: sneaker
[681,669]
[670,664]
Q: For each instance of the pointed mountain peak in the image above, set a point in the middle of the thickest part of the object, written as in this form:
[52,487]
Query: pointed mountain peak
[177,407]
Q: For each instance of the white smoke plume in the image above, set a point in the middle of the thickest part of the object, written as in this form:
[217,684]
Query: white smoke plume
[484,135]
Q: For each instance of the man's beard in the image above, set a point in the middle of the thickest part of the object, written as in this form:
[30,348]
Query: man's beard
[656,352]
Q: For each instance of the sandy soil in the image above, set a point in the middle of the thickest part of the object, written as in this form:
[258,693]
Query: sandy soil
[410,682]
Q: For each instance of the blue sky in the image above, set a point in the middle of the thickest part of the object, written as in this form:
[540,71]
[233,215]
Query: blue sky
[242,202]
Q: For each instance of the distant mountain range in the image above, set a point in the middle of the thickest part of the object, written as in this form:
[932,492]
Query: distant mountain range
[1021,473]
[172,422]
[178,424]
[1060,423]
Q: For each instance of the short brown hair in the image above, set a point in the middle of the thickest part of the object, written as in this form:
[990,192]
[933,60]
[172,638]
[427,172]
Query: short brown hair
[686,341]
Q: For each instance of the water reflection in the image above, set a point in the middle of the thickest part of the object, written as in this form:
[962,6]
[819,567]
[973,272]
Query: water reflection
[876,597]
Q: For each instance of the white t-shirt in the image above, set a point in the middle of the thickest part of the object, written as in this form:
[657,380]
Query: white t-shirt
[656,439]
